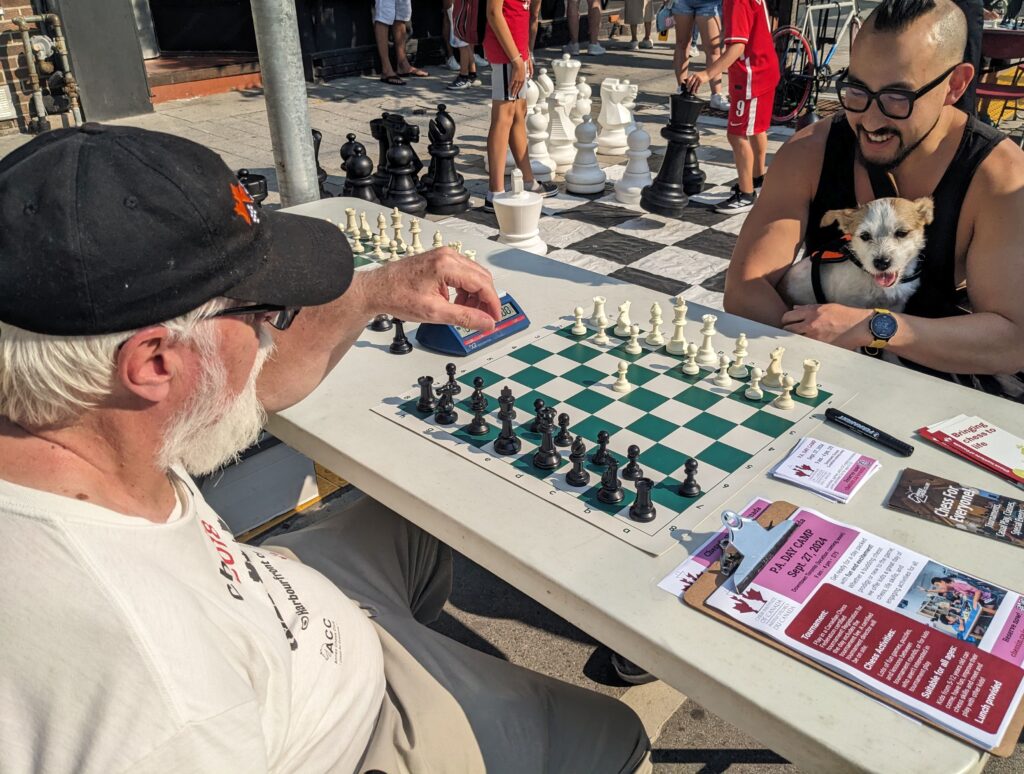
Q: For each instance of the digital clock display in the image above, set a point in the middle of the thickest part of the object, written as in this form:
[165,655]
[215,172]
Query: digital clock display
[507,311]
[455,340]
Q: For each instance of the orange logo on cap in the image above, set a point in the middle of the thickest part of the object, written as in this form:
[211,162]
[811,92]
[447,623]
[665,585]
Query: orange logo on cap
[244,204]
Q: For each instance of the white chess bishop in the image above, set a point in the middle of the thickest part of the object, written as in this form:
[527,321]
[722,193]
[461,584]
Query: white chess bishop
[584,103]
[586,175]
[565,70]
[537,135]
[518,214]
[638,173]
[562,131]
[614,117]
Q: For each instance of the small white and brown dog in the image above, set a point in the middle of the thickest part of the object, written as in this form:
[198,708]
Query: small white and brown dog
[877,265]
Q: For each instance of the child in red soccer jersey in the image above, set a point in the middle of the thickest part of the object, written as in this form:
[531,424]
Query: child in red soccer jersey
[506,48]
[753,75]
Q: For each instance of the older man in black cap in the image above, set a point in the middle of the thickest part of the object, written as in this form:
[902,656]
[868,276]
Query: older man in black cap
[149,316]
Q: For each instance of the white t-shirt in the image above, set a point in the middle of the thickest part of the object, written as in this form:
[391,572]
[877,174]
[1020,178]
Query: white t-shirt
[132,646]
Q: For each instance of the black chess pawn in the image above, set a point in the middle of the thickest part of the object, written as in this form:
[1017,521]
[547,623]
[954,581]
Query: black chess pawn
[478,391]
[359,176]
[667,195]
[690,487]
[446,414]
[643,508]
[547,456]
[507,442]
[611,488]
[451,384]
[347,151]
[445,188]
[321,173]
[255,184]
[601,455]
[400,343]
[632,471]
[478,404]
[578,476]
[401,188]
[538,409]
[564,437]
[426,402]
[381,323]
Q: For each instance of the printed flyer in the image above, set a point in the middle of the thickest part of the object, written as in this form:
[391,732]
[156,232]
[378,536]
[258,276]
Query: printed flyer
[940,643]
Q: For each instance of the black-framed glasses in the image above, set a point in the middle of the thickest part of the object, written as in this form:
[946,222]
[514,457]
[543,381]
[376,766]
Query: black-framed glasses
[278,316]
[894,103]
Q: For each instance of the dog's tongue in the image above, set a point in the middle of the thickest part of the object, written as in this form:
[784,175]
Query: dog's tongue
[886,279]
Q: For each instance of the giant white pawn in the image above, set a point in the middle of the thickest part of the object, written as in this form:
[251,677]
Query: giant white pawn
[537,134]
[586,175]
[638,171]
[584,103]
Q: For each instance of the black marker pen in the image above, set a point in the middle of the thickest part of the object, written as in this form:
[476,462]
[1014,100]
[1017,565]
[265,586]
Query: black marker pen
[867,431]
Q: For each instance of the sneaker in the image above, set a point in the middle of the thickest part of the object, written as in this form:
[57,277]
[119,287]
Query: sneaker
[452,64]
[595,49]
[474,80]
[737,203]
[694,51]
[547,190]
[758,183]
[488,204]
[646,43]
[482,63]
[720,102]
[460,82]
[571,48]
[634,45]
[629,672]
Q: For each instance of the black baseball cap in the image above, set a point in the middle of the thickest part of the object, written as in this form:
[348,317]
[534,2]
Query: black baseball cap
[109,228]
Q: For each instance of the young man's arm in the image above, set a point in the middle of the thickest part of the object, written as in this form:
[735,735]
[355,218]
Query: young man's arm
[989,341]
[496,18]
[732,53]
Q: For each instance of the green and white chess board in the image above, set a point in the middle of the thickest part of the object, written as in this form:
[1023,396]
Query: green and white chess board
[671,416]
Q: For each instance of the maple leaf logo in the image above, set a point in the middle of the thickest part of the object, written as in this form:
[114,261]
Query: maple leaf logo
[245,207]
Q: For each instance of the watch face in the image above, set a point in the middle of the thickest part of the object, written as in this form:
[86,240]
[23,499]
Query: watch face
[883,326]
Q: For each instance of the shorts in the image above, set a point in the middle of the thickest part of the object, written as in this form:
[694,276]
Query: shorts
[501,77]
[391,11]
[748,117]
[639,11]
[697,8]
[453,40]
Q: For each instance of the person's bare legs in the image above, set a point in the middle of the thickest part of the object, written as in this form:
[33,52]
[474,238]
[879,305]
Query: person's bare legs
[534,23]
[759,148]
[508,130]
[380,32]
[446,28]
[681,54]
[743,154]
[402,65]
[594,19]
[711,40]
[632,32]
[648,27]
[572,16]
[518,143]
[467,65]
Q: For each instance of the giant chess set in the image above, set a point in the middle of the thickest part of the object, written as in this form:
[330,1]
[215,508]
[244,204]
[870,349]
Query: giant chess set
[641,435]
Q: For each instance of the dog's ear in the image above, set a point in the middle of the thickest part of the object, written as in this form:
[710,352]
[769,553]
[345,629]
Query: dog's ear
[925,209]
[844,218]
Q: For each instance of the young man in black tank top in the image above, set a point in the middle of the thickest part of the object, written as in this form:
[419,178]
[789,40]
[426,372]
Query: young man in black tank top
[975,176]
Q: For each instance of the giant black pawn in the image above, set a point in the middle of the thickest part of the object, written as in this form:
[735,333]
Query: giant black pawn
[690,487]
[578,476]
[547,456]
[426,402]
[667,195]
[538,409]
[381,323]
[611,488]
[321,173]
[507,442]
[401,189]
[564,437]
[632,471]
[400,343]
[601,455]
[347,151]
[255,184]
[446,189]
[446,414]
[359,176]
[451,384]
[642,508]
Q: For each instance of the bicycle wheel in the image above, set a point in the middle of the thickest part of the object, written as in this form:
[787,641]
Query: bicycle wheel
[796,74]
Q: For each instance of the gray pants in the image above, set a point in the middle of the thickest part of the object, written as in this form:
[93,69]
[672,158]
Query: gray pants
[450,708]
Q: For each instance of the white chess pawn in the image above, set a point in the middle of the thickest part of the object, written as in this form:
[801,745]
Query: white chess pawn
[809,384]
[785,400]
[621,382]
[737,370]
[365,232]
[352,225]
[677,346]
[378,248]
[773,374]
[584,103]
[357,246]
[690,367]
[638,172]
[537,134]
[623,324]
[602,337]
[754,391]
[633,346]
[654,338]
[706,354]
[393,253]
[586,175]
[599,319]
[471,254]
[438,240]
[722,378]
[579,329]
[414,228]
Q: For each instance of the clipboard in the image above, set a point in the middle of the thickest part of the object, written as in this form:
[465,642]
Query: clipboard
[697,595]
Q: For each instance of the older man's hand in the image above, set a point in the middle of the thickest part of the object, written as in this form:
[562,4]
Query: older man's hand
[417,289]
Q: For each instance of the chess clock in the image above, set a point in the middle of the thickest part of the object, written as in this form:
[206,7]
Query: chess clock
[453,340]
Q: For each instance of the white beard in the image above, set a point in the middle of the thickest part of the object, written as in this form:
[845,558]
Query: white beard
[214,428]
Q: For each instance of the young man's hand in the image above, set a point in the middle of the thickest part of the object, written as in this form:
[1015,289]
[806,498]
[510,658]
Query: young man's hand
[518,76]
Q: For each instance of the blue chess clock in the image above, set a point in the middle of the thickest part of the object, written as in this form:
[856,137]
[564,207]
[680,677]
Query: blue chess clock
[453,340]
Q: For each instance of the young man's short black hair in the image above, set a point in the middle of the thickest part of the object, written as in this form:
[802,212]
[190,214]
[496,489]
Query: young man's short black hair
[895,15]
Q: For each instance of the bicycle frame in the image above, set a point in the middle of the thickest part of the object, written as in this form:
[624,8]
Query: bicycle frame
[809,27]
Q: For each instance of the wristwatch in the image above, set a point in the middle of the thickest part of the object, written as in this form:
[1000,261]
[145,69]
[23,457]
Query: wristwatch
[883,326]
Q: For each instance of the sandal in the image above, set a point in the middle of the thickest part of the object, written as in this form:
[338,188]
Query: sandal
[416,73]
[393,80]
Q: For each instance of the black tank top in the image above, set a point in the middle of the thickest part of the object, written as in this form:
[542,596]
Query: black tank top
[937,295]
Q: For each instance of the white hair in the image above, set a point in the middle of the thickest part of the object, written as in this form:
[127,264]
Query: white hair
[48,381]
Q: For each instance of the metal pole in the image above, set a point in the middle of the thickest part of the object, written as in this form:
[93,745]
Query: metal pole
[284,85]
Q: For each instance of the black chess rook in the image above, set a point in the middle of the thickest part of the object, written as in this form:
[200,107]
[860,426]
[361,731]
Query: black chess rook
[643,508]
[426,403]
